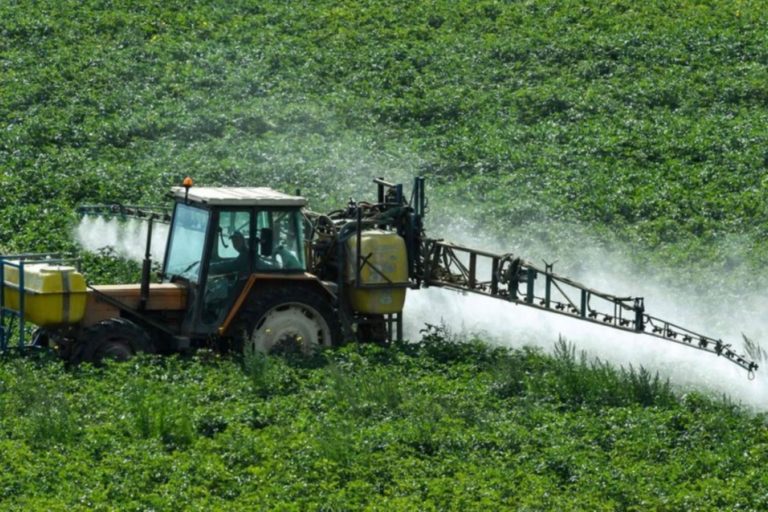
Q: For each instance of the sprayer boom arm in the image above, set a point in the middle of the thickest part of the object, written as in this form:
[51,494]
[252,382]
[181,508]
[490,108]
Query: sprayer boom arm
[156,213]
[509,278]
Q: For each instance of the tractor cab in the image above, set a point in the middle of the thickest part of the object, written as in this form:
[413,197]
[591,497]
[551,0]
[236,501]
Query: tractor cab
[220,236]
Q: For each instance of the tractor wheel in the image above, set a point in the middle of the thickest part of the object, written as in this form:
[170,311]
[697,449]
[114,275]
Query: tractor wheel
[290,321]
[117,338]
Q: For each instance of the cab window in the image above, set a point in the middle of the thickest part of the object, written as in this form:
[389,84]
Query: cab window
[187,239]
[281,236]
[232,242]
[232,224]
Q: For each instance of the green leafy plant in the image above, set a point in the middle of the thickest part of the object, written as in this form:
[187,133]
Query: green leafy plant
[636,127]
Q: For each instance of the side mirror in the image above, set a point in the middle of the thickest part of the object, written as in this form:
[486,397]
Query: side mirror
[266,239]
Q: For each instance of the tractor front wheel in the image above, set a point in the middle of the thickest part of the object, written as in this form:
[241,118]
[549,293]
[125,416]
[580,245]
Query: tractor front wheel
[291,321]
[117,338]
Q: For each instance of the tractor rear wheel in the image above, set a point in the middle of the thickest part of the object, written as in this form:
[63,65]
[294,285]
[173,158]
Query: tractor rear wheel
[117,339]
[290,321]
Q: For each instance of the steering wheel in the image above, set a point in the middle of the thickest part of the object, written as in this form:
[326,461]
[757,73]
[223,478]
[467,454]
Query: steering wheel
[189,267]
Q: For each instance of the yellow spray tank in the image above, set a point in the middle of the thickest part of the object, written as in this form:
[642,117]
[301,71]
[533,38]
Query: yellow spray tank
[383,268]
[54,295]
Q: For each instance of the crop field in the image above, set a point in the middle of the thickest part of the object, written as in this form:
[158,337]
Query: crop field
[638,127]
[435,426]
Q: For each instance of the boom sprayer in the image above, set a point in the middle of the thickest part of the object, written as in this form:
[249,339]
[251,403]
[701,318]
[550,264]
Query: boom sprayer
[253,268]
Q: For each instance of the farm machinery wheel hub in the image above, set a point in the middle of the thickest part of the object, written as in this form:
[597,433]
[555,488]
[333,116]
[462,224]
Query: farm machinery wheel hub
[290,328]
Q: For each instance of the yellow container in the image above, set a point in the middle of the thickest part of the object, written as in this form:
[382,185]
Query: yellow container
[386,262]
[54,295]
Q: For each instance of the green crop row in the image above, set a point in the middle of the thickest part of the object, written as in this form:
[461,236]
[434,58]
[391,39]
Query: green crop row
[441,424]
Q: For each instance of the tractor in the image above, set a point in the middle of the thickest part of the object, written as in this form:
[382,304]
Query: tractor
[235,276]
[251,268]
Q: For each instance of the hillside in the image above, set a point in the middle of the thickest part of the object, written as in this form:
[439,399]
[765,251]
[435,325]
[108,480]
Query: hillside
[646,121]
[640,128]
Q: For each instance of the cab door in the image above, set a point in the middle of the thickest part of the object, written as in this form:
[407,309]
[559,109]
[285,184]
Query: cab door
[229,264]
[187,254]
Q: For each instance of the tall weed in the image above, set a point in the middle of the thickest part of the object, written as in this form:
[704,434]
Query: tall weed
[365,391]
[575,381]
[157,413]
[269,375]
[754,350]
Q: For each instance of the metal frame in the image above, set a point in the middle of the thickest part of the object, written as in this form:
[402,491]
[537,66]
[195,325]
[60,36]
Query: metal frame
[158,213]
[7,314]
[506,277]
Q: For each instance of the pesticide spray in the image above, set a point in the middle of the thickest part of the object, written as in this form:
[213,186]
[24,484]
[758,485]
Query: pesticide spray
[514,326]
[127,237]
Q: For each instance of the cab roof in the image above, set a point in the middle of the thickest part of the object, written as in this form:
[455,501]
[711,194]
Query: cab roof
[238,196]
